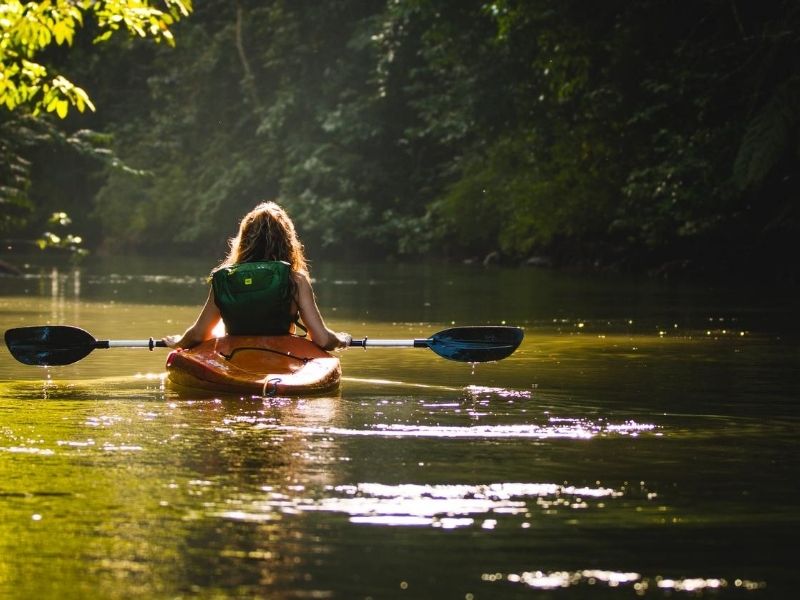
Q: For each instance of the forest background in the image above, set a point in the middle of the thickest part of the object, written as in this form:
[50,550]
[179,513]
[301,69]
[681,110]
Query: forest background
[657,136]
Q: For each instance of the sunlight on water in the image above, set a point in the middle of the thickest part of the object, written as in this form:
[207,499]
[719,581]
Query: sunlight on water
[27,450]
[640,584]
[391,382]
[478,390]
[437,505]
[556,428]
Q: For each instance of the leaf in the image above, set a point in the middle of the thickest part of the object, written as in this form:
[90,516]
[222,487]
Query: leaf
[768,135]
[103,37]
[63,32]
[81,99]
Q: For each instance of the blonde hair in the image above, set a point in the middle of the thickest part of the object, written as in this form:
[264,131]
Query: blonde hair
[267,233]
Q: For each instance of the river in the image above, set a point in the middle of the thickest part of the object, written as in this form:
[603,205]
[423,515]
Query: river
[642,442]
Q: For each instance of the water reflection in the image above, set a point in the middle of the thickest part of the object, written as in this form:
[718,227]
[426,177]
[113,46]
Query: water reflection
[640,584]
[448,506]
[556,428]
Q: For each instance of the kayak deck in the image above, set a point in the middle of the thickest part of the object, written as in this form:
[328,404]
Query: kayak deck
[283,365]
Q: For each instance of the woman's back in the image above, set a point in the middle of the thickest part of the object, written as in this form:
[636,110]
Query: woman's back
[255,298]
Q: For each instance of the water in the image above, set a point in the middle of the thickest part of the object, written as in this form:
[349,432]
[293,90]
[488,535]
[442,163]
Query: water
[641,443]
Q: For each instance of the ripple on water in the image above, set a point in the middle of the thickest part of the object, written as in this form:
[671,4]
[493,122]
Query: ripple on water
[499,392]
[446,506]
[552,428]
[640,583]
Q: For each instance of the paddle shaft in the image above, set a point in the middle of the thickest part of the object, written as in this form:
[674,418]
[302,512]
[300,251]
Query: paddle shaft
[151,343]
[363,343]
[366,342]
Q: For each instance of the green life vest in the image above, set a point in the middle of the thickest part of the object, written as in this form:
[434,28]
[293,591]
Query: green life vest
[254,298]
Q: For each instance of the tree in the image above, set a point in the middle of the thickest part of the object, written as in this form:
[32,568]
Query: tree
[625,134]
[29,29]
[30,34]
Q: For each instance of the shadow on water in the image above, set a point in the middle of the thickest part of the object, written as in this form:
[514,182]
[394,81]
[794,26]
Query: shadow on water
[642,441]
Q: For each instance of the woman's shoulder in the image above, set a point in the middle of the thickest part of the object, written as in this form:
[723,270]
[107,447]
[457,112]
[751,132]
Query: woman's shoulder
[301,278]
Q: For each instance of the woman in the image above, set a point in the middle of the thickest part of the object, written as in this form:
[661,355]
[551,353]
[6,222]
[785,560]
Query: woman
[262,287]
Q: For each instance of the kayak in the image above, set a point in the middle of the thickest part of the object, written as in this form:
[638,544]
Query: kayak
[282,365]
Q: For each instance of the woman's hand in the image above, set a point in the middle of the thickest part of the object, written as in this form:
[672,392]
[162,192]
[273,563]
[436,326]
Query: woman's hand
[343,339]
[172,340]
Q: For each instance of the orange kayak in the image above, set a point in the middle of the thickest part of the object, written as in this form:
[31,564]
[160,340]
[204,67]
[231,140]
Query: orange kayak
[282,365]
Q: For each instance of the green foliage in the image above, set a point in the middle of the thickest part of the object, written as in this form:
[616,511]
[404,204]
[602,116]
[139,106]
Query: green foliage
[39,169]
[634,127]
[770,135]
[30,87]
[28,29]
[259,114]
[14,173]
[518,198]
[621,134]
[62,240]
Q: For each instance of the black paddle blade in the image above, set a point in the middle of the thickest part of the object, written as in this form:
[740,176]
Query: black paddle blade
[476,344]
[50,345]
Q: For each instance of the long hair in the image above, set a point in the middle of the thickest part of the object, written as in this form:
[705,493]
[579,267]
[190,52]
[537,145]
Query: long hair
[266,233]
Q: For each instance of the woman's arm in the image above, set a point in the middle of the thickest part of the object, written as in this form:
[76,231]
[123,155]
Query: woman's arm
[309,312]
[202,328]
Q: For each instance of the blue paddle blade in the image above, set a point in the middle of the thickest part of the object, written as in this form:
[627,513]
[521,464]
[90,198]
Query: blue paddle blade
[50,345]
[476,344]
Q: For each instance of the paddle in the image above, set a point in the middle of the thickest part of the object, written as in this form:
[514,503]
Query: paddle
[55,345]
[464,344]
